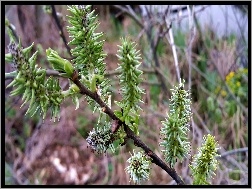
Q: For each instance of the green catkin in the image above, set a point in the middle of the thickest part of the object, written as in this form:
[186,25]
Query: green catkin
[175,128]
[139,167]
[88,51]
[204,163]
[30,81]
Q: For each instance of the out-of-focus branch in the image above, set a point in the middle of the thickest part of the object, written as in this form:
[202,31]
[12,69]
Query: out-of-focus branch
[192,30]
[132,15]
[12,29]
[235,151]
[54,15]
[174,51]
[244,109]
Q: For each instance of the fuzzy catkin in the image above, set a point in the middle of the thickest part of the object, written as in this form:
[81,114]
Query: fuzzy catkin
[175,127]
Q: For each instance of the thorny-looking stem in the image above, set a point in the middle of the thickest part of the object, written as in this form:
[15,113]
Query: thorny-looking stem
[129,132]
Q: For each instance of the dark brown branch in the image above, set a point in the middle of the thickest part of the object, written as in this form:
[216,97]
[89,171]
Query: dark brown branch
[54,15]
[129,132]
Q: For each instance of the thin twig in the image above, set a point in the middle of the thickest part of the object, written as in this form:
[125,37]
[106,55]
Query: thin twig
[54,15]
[235,151]
[133,16]
[196,11]
[170,39]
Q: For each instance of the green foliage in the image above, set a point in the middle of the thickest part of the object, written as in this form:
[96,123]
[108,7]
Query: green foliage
[238,83]
[175,127]
[235,174]
[204,162]
[82,123]
[179,39]
[202,62]
[154,90]
[116,28]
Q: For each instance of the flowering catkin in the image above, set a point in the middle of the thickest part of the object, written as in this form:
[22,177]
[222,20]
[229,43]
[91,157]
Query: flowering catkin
[175,127]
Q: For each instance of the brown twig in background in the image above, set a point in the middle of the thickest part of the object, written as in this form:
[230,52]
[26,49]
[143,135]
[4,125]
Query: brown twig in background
[12,28]
[129,132]
[54,15]
[235,151]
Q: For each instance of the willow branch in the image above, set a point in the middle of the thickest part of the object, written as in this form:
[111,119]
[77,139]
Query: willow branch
[235,151]
[129,132]
[54,14]
[129,12]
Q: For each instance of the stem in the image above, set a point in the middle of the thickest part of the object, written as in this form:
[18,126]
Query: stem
[54,15]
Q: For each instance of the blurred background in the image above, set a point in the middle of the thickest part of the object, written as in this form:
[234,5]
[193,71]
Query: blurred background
[206,45]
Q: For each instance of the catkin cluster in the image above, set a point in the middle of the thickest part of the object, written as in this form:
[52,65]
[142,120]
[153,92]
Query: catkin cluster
[30,81]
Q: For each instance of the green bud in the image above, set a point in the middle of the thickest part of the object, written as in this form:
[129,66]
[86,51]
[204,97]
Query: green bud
[32,60]
[75,88]
[59,64]
[27,50]
[69,69]
[8,57]
[11,83]
[56,61]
